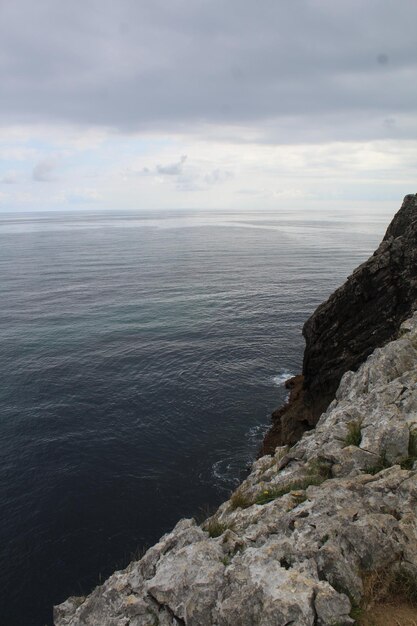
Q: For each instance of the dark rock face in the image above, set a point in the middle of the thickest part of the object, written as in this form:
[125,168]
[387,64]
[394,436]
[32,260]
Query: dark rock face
[365,313]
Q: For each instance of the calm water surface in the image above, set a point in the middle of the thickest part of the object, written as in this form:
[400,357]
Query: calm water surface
[141,355]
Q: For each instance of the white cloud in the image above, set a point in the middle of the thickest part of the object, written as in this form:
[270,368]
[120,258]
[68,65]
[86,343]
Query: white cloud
[136,171]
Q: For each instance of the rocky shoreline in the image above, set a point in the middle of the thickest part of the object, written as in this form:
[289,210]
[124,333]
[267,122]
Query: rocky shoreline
[363,314]
[321,517]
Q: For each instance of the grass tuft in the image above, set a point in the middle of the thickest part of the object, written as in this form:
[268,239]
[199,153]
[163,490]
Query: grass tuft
[268,495]
[384,587]
[320,468]
[354,436]
[404,585]
[356,612]
[239,500]
[215,528]
[319,471]
[382,464]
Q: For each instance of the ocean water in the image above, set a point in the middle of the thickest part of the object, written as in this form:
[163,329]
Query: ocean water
[141,356]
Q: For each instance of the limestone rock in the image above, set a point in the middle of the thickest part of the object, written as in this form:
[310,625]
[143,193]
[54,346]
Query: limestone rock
[308,524]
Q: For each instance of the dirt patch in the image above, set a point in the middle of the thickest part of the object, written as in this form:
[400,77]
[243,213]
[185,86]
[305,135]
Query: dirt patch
[389,615]
[391,598]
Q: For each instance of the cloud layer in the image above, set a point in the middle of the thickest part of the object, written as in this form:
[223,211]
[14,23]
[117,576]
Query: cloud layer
[293,71]
[206,103]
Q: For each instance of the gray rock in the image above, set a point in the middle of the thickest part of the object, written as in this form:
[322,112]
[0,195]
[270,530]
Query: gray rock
[316,518]
[332,607]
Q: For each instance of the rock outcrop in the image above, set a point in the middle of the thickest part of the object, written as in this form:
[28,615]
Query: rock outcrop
[298,541]
[365,313]
[295,543]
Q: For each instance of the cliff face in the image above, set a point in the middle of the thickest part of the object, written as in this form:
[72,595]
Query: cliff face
[297,542]
[301,538]
[363,314]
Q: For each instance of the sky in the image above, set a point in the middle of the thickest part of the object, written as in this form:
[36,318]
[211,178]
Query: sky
[207,104]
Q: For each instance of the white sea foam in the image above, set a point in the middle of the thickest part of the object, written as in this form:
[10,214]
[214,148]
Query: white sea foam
[256,433]
[280,379]
[227,471]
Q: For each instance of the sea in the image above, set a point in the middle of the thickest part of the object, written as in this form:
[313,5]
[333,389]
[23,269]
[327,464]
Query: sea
[141,355]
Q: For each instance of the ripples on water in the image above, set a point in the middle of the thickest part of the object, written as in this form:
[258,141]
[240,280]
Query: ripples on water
[141,357]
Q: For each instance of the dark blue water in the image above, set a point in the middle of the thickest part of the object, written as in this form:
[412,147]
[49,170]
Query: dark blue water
[141,356]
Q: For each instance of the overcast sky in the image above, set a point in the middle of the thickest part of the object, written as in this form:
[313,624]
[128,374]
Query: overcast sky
[207,104]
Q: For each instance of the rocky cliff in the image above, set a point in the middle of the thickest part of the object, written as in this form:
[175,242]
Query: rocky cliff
[363,314]
[299,540]
[320,530]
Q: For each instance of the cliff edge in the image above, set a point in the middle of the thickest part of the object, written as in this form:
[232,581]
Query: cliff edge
[363,314]
[302,539]
[321,532]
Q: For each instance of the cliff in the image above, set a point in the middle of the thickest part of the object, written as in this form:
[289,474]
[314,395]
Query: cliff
[363,314]
[318,531]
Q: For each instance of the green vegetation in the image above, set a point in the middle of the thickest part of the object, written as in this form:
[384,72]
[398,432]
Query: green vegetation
[214,527]
[204,513]
[320,468]
[239,500]
[356,612]
[382,464]
[387,587]
[404,585]
[319,471]
[354,436]
[297,485]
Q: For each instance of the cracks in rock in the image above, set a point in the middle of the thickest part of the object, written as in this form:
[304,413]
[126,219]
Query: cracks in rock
[376,454]
[167,608]
[403,390]
[313,608]
[166,549]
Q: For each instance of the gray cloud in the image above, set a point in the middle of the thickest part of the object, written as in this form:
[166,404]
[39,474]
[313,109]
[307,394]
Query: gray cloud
[43,171]
[172,169]
[169,169]
[295,71]
[218,176]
